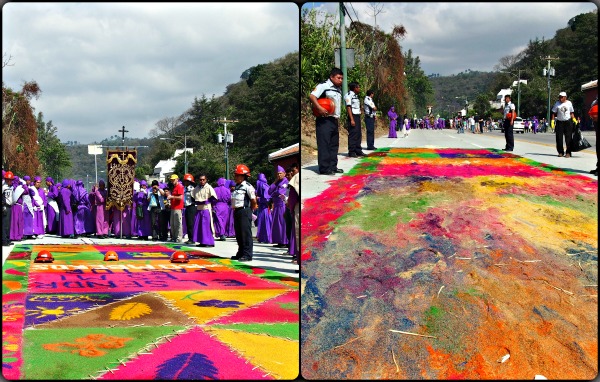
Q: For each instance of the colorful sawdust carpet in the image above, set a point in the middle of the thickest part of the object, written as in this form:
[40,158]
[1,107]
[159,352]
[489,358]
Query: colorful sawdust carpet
[143,317]
[450,264]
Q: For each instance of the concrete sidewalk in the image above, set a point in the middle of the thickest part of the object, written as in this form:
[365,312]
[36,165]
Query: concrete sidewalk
[265,255]
[581,162]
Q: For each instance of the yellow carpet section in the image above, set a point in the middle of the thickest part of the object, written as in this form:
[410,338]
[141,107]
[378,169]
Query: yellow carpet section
[278,356]
[210,304]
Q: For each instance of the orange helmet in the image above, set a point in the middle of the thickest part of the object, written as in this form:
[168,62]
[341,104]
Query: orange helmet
[242,169]
[325,103]
[9,175]
[593,113]
[111,256]
[44,256]
[189,177]
[179,257]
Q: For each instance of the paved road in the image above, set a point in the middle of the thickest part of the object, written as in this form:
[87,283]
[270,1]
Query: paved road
[265,255]
[541,151]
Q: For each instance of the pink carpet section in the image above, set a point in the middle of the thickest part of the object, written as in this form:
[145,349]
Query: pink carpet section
[283,308]
[13,318]
[192,355]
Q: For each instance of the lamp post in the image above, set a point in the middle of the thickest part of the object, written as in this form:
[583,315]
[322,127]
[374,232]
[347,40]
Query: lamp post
[226,138]
[185,161]
[549,72]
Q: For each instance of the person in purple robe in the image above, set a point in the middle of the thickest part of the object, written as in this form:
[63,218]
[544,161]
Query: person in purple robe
[66,227]
[16,218]
[293,204]
[51,206]
[393,116]
[142,226]
[278,191]
[29,207]
[229,226]
[39,218]
[84,223]
[221,209]
[121,219]
[264,219]
[534,124]
[98,198]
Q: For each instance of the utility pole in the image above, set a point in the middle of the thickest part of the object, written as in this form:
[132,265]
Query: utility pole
[549,72]
[343,50]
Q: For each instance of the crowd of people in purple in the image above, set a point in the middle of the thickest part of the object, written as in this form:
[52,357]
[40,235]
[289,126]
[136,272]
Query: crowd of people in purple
[66,209]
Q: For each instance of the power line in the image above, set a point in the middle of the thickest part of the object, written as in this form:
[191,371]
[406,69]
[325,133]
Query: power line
[354,12]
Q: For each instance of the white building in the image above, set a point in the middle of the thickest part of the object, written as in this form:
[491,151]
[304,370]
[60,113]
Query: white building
[164,168]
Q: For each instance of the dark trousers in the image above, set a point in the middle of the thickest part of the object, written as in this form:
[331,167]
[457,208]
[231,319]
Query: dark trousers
[328,144]
[163,222]
[288,224]
[6,214]
[370,127]
[508,134]
[563,128]
[190,217]
[242,220]
[354,135]
[155,221]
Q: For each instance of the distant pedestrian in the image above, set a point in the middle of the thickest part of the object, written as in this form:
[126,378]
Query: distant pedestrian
[221,209]
[204,194]
[393,116]
[189,207]
[508,123]
[327,125]
[277,191]
[353,122]
[156,204]
[176,199]
[264,217]
[562,121]
[370,115]
[98,198]
[66,227]
[51,206]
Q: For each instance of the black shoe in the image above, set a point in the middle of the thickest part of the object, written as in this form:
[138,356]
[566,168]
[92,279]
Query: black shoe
[372,148]
[361,154]
[245,258]
[190,242]
[561,155]
[352,155]
[7,244]
[594,172]
[236,257]
[155,239]
[338,170]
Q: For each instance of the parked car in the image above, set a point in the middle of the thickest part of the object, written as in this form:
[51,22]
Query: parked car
[518,126]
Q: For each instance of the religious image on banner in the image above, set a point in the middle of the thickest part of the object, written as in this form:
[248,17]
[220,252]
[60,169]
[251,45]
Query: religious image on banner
[120,174]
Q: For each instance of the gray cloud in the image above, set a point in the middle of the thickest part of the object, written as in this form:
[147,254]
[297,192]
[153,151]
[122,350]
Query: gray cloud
[104,65]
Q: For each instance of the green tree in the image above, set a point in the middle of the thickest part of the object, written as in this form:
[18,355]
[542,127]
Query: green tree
[52,154]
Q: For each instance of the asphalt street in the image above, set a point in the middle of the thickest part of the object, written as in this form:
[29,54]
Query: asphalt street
[265,255]
[542,150]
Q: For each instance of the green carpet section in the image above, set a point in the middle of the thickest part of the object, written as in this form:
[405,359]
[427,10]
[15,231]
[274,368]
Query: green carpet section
[51,353]
[282,330]
[14,276]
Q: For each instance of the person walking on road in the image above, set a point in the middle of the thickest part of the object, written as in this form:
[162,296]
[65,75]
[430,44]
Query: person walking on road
[370,110]
[563,113]
[393,116]
[509,122]
[353,123]
[327,126]
[243,202]
[176,199]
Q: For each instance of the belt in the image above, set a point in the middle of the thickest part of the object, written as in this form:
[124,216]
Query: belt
[203,206]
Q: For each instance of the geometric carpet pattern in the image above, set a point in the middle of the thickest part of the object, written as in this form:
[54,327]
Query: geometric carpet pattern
[145,318]
[437,263]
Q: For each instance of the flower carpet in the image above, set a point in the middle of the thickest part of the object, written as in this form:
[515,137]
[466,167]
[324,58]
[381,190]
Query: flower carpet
[143,317]
[432,263]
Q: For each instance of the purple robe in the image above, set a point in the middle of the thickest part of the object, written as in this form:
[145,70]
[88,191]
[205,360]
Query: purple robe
[221,207]
[229,226]
[264,220]
[38,219]
[29,207]
[98,200]
[393,121]
[51,215]
[121,218]
[278,232]
[83,216]
[142,227]
[16,217]
[293,199]
[66,221]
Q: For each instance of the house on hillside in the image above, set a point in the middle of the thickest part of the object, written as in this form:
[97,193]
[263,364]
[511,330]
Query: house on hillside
[164,168]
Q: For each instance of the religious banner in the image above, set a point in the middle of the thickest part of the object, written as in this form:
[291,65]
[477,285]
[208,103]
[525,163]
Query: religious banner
[121,172]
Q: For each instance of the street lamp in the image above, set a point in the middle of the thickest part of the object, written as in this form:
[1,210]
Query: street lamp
[518,89]
[226,138]
[549,72]
[185,161]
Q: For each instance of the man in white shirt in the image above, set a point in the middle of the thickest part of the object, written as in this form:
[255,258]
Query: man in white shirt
[563,113]
[353,124]
[370,110]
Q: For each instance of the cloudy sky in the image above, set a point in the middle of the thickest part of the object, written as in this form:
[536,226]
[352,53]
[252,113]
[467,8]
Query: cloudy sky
[452,37]
[105,65]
